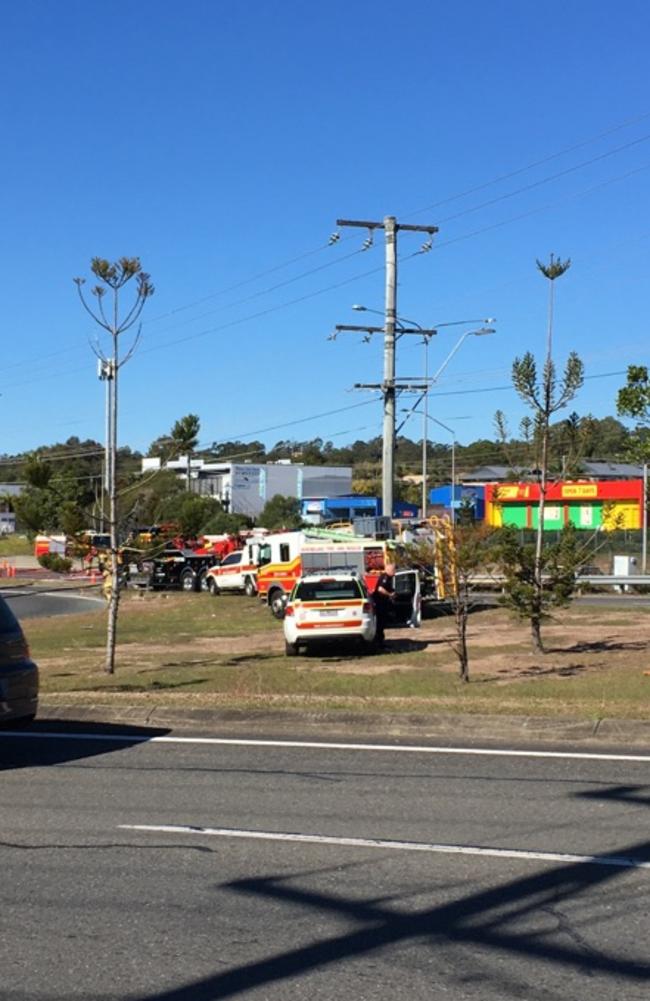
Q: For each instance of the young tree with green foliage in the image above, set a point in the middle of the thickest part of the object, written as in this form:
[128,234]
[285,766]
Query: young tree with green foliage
[460,552]
[633,401]
[112,278]
[184,439]
[523,570]
[545,396]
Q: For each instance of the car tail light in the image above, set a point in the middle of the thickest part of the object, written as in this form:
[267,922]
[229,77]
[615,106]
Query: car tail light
[288,610]
[367,608]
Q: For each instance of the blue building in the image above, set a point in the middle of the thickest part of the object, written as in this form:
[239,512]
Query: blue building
[321,510]
[471,498]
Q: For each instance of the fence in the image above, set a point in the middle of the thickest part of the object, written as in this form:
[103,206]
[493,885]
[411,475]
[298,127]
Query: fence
[599,547]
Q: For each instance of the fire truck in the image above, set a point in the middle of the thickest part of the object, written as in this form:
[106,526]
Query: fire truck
[287,556]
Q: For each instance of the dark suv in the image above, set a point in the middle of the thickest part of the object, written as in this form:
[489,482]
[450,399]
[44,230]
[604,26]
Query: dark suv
[18,672]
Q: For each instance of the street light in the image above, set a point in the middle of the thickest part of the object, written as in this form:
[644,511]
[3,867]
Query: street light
[453,466]
[453,460]
[481,332]
[401,328]
[426,337]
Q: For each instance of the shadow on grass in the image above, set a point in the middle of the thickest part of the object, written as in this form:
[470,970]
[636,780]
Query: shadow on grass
[600,646]
[248,658]
[351,651]
[158,685]
[533,671]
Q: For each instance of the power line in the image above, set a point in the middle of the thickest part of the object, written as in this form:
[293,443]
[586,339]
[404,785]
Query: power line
[530,166]
[546,180]
[627,123]
[267,291]
[358,276]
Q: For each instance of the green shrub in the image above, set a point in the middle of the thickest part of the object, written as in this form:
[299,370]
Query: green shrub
[56,563]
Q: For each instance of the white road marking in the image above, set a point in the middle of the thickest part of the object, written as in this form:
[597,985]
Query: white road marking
[323,745]
[66,594]
[405,846]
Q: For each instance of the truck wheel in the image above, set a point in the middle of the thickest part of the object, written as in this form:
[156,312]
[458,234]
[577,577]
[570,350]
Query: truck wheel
[290,649]
[249,587]
[203,581]
[277,603]
[188,580]
[213,587]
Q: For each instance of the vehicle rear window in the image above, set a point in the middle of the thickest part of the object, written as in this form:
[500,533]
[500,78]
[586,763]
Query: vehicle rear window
[328,590]
[8,621]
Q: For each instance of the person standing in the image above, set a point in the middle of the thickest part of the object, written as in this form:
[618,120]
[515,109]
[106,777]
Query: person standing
[383,596]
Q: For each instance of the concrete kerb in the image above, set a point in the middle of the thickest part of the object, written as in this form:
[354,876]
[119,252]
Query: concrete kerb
[286,723]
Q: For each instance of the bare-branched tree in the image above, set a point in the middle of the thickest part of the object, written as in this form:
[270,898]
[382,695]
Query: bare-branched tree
[112,278]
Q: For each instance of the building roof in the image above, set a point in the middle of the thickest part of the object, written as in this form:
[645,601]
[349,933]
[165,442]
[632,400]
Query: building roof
[612,470]
[489,474]
[589,469]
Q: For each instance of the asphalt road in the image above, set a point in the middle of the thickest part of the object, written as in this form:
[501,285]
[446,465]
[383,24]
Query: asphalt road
[30,603]
[190,870]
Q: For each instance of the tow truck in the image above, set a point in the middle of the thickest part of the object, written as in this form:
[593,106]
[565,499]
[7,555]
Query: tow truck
[172,568]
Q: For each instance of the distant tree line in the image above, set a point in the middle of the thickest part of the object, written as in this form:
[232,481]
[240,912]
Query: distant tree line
[64,480]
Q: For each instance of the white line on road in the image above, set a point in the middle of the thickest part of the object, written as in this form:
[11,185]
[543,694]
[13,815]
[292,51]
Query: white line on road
[322,745]
[67,594]
[405,846]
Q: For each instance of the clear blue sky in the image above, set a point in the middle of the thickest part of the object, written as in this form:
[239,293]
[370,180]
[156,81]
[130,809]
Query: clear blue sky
[219,141]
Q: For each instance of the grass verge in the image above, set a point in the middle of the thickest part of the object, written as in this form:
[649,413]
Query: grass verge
[194,650]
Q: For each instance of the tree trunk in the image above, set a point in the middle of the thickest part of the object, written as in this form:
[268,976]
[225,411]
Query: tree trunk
[461,613]
[538,581]
[114,599]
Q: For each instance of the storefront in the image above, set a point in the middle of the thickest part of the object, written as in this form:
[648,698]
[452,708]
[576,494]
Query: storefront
[606,504]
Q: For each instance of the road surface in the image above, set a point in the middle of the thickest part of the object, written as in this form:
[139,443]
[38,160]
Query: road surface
[29,603]
[190,869]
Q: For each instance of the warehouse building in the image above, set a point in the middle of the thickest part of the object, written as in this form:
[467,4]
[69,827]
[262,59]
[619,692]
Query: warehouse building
[244,488]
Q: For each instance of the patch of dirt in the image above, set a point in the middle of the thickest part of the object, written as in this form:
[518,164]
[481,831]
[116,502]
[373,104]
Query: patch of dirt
[499,647]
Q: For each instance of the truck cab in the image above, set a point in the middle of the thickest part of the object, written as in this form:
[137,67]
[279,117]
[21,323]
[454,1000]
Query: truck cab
[237,572]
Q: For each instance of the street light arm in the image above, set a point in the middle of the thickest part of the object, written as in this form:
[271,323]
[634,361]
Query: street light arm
[461,339]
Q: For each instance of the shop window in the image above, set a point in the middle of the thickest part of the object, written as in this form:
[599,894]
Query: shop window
[586,516]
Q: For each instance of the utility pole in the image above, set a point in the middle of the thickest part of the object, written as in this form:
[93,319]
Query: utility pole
[391,228]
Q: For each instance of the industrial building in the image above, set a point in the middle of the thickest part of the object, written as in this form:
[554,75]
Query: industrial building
[244,488]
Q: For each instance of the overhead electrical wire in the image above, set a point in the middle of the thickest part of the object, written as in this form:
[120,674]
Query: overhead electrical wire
[546,180]
[626,124]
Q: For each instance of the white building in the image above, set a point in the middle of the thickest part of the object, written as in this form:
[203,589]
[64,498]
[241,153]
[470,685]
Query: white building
[245,487]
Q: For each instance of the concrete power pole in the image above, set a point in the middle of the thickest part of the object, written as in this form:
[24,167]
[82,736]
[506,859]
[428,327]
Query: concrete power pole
[388,447]
[391,228]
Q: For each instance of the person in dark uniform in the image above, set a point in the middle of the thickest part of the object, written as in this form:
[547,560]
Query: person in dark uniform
[383,595]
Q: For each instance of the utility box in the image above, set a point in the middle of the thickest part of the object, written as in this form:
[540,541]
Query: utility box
[373,528]
[625,566]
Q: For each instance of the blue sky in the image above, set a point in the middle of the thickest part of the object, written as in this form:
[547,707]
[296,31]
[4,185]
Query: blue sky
[219,141]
